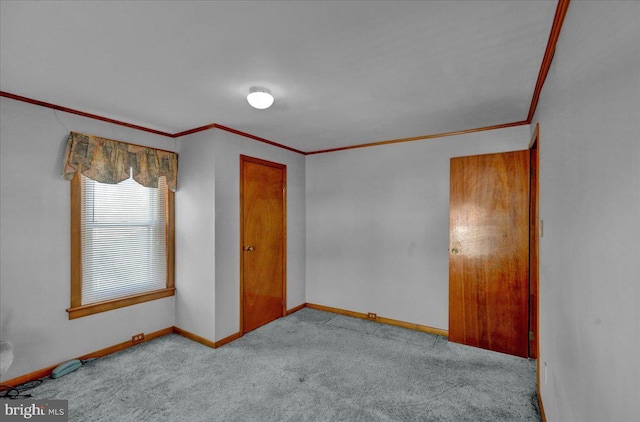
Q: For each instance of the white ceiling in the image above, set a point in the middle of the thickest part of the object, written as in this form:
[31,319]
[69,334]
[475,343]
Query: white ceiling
[343,73]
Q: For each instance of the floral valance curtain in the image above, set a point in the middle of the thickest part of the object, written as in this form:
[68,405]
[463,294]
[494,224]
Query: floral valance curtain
[109,161]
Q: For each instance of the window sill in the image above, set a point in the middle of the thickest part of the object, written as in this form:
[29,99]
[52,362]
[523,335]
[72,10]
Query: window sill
[108,305]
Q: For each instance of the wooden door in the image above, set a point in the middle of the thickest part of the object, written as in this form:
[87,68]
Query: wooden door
[489,252]
[262,241]
[534,241]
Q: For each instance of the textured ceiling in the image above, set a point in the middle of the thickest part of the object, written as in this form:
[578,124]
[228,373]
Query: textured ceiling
[343,73]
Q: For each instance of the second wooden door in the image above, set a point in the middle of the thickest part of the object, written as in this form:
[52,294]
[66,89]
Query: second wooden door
[263,245]
[489,252]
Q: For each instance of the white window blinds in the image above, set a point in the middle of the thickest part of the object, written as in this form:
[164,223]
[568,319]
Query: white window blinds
[123,230]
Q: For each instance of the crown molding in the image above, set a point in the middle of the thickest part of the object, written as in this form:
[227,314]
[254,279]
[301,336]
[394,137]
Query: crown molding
[143,128]
[257,138]
[419,138]
[558,20]
[81,113]
[556,27]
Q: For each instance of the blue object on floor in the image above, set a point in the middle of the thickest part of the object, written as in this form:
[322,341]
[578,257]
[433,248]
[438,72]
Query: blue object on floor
[65,368]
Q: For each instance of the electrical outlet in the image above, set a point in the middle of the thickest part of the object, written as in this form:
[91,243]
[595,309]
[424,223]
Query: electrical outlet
[138,338]
[371,315]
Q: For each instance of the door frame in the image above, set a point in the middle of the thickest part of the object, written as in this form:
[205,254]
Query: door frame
[534,243]
[247,159]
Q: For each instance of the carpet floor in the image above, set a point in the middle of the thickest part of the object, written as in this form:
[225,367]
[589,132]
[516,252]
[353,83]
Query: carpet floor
[308,366]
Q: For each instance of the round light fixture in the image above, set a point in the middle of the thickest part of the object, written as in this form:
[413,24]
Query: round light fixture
[260,98]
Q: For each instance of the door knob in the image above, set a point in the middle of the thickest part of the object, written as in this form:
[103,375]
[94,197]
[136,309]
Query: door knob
[454,251]
[248,248]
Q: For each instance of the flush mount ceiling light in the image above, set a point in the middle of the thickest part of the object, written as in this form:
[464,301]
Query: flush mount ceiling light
[260,98]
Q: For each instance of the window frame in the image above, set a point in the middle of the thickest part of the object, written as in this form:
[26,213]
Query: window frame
[77,310]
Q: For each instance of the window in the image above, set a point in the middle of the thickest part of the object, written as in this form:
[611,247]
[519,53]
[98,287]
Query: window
[122,242]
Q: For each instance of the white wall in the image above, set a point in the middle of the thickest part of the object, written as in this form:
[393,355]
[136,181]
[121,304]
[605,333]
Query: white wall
[34,253]
[227,159]
[212,181]
[195,237]
[378,224]
[35,243]
[589,114]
